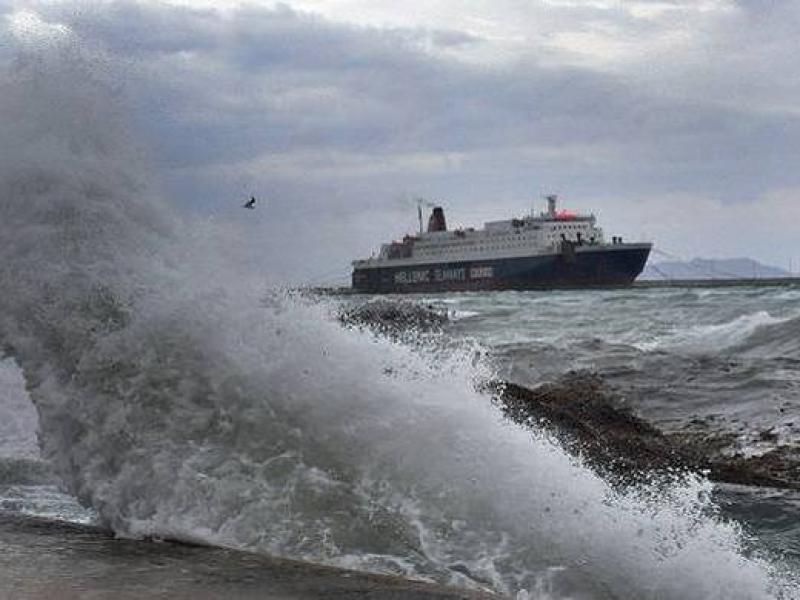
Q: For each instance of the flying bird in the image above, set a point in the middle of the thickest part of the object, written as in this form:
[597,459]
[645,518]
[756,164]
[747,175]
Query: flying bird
[250,203]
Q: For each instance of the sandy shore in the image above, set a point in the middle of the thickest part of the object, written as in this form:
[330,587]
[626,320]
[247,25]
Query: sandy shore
[44,559]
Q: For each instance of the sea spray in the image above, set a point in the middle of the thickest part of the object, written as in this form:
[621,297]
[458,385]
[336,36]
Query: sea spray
[178,401]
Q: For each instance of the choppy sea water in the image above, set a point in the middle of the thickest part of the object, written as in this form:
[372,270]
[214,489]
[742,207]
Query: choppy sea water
[728,356]
[173,393]
[721,361]
[728,353]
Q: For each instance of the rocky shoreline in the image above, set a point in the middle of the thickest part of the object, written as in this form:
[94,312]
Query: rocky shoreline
[394,318]
[589,417]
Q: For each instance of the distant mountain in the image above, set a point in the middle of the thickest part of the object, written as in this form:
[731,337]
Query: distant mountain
[712,268]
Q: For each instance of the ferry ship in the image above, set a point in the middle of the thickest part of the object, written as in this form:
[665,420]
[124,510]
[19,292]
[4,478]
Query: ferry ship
[556,249]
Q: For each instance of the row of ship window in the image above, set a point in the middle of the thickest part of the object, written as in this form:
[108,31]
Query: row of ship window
[460,247]
[479,248]
[464,244]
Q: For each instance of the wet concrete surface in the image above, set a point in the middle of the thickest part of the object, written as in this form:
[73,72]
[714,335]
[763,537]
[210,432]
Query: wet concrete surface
[46,559]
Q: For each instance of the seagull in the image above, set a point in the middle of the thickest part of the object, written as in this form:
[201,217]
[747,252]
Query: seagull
[250,203]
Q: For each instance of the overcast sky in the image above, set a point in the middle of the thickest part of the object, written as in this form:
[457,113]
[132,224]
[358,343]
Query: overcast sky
[673,120]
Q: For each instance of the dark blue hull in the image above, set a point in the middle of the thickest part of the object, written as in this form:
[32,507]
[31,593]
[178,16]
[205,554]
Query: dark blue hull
[579,267]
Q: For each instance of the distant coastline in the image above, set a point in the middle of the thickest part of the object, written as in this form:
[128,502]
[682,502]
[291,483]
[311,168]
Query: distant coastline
[711,269]
[721,282]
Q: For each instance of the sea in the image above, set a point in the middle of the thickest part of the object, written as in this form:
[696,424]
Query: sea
[156,387]
[375,452]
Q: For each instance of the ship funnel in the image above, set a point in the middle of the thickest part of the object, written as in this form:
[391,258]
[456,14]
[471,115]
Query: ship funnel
[437,222]
[552,200]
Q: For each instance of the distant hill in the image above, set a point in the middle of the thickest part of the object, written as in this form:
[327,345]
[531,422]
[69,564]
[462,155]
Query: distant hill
[711,268]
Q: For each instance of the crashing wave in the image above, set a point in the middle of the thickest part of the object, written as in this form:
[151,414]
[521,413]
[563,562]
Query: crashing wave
[178,402]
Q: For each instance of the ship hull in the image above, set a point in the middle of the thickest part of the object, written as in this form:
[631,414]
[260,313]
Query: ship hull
[576,267]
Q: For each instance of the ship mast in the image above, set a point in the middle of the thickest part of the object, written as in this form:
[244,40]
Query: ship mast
[552,200]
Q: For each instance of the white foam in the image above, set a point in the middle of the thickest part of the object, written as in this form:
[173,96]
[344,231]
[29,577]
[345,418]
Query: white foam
[18,421]
[700,339]
[458,315]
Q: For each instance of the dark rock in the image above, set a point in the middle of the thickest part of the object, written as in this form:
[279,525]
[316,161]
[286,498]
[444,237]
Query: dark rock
[585,416]
[589,418]
[394,317]
[768,436]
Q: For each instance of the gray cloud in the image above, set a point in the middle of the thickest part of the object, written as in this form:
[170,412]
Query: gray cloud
[334,119]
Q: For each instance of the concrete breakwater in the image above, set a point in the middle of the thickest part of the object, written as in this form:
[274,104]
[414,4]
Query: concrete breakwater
[43,559]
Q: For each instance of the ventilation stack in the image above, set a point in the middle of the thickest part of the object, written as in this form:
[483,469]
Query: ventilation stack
[437,222]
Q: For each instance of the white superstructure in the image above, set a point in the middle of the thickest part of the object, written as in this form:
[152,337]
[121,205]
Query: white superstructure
[527,236]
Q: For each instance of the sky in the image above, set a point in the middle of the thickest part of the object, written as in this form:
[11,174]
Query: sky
[676,121]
